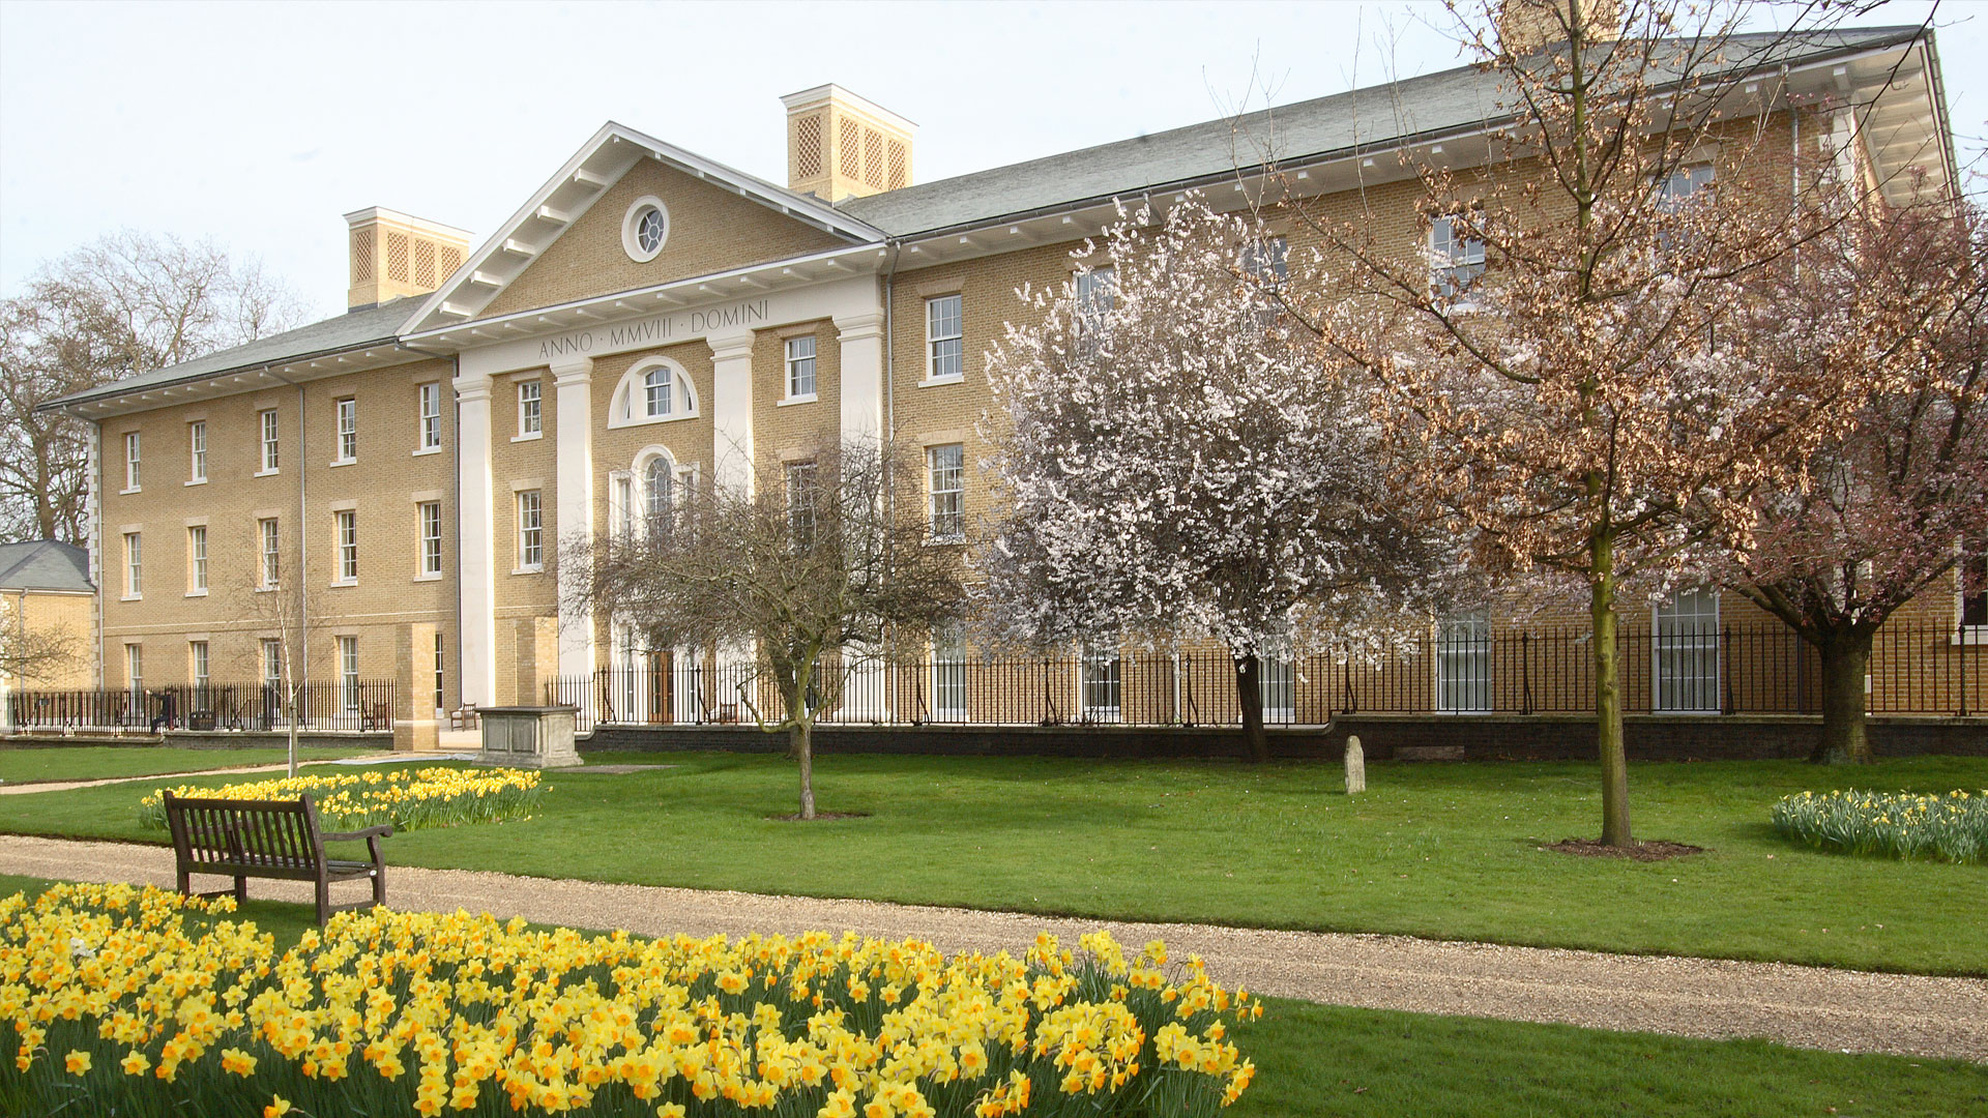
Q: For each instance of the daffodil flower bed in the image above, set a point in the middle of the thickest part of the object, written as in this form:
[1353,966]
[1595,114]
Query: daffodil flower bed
[1949,828]
[141,1002]
[411,801]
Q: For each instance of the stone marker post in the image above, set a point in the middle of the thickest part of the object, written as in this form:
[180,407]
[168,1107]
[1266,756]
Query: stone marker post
[1356,765]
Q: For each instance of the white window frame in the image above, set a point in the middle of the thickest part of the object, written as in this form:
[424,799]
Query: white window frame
[1454,263]
[629,405]
[132,447]
[1094,292]
[802,477]
[1277,689]
[658,514]
[348,675]
[1101,683]
[272,661]
[134,675]
[1679,187]
[531,410]
[345,542]
[134,566]
[528,507]
[945,338]
[196,452]
[802,362]
[631,229]
[1681,644]
[196,560]
[1463,663]
[441,672]
[198,663]
[1267,259]
[951,695]
[269,542]
[947,505]
[272,446]
[346,446]
[428,561]
[428,418]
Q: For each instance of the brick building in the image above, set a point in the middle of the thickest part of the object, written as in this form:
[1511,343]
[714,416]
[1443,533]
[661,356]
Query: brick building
[385,491]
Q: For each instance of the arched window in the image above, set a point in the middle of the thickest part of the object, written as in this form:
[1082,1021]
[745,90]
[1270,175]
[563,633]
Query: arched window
[654,390]
[659,496]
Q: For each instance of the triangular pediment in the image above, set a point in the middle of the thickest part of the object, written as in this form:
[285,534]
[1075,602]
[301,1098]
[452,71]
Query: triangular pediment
[567,241]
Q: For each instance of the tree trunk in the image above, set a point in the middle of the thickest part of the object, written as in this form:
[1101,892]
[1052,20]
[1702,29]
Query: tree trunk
[1608,697]
[1249,693]
[1846,657]
[800,741]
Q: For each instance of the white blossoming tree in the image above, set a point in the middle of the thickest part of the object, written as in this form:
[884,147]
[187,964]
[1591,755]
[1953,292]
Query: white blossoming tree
[1174,464]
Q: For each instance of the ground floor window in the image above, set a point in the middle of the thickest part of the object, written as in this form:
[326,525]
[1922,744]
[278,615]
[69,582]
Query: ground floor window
[948,678]
[439,662]
[1277,683]
[1463,662]
[1685,655]
[1099,681]
[348,674]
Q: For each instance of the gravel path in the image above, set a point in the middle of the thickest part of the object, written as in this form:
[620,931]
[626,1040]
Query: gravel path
[1808,1007]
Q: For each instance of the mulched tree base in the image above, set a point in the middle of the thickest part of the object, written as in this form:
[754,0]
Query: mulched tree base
[1641,852]
[819,816]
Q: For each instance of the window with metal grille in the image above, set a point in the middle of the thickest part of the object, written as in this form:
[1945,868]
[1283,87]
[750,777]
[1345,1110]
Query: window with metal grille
[946,470]
[873,157]
[848,143]
[424,263]
[900,165]
[397,254]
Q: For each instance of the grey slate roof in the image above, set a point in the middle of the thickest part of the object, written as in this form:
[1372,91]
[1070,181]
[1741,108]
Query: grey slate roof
[353,330]
[1370,117]
[44,565]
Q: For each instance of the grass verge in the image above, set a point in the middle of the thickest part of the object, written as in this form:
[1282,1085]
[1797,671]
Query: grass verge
[103,762]
[1449,851]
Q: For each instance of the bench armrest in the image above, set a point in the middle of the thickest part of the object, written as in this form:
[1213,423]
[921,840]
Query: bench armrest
[384,830]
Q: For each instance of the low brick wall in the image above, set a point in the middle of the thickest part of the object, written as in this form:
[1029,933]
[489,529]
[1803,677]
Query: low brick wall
[189,739]
[1384,738]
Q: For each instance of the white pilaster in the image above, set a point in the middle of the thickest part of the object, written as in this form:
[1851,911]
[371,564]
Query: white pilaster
[476,546]
[731,408]
[572,382]
[862,338]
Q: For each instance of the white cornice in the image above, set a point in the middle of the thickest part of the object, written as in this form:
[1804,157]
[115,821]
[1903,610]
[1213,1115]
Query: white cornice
[822,94]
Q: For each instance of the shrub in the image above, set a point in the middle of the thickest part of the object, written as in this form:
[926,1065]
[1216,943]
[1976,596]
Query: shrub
[411,801]
[1949,828]
[113,1006]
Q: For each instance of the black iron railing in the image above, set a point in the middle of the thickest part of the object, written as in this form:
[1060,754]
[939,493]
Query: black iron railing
[1914,669]
[341,705]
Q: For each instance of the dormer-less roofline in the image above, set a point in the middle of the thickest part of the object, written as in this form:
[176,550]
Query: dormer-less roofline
[821,94]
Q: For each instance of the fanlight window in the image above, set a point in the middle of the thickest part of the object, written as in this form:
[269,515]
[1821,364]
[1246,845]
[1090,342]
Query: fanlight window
[654,391]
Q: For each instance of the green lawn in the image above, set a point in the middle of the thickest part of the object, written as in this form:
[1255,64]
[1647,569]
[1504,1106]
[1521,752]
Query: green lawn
[1447,851]
[101,762]
[1328,1060]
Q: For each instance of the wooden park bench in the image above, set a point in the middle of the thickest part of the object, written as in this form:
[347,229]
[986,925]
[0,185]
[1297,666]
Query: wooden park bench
[276,839]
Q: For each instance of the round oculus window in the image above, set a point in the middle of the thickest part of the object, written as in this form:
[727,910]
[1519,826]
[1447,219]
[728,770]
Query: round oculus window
[649,229]
[644,229]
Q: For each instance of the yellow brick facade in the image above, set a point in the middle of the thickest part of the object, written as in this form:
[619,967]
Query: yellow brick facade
[866,312]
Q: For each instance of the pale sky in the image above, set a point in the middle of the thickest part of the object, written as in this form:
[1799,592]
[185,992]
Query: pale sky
[258,125]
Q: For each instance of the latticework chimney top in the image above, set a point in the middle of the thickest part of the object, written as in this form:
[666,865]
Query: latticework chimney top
[842,146]
[394,254]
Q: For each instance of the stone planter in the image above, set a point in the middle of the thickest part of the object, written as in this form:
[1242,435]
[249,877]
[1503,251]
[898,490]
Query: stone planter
[528,737]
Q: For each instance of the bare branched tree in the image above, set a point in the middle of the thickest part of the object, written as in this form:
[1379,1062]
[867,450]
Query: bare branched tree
[1568,342]
[126,304]
[807,568]
[1175,464]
